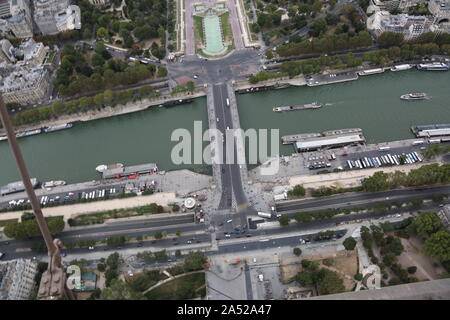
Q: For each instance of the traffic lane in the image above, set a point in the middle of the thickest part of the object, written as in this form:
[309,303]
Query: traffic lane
[134,226]
[271,243]
[160,244]
[343,198]
[220,105]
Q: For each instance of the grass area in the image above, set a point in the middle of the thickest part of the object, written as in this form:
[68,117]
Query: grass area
[198,28]
[100,217]
[186,287]
[226,27]
[51,57]
[5,222]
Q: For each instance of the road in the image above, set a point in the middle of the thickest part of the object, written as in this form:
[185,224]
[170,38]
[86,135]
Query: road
[361,198]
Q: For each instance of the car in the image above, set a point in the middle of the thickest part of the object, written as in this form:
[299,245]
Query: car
[6,243]
[195,76]
[189,242]
[64,254]
[248,235]
[91,248]
[2,255]
[220,224]
[227,236]
[140,244]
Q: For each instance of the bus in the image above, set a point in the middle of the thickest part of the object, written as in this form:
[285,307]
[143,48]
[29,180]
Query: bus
[228,102]
[384,148]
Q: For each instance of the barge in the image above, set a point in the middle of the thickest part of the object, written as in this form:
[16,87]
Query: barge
[16,187]
[52,184]
[129,171]
[255,89]
[58,127]
[314,105]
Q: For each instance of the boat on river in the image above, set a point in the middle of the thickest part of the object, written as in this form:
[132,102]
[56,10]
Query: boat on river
[103,167]
[314,105]
[414,96]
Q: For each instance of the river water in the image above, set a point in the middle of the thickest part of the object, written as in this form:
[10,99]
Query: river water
[371,103]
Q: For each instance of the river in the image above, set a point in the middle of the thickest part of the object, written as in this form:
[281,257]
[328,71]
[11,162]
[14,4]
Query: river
[371,103]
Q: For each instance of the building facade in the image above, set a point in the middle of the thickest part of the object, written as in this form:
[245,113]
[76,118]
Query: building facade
[54,16]
[99,2]
[26,86]
[15,18]
[33,52]
[17,279]
[7,51]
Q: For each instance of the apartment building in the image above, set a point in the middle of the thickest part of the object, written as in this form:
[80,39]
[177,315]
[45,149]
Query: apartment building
[17,279]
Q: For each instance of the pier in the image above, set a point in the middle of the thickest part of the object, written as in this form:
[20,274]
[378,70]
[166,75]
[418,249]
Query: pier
[129,171]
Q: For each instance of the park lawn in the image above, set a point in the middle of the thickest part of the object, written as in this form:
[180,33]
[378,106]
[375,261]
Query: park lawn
[168,291]
[198,27]
[226,27]
[5,222]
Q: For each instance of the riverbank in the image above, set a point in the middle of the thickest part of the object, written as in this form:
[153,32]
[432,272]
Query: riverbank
[107,112]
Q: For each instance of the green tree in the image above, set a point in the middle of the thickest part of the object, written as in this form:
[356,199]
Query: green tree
[427,223]
[297,251]
[101,267]
[283,220]
[412,269]
[349,243]
[177,253]
[298,191]
[305,278]
[178,233]
[119,290]
[102,33]
[329,282]
[158,235]
[438,245]
[190,86]
[194,261]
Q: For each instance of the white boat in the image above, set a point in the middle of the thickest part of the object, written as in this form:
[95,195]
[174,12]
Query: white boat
[28,133]
[2,138]
[58,127]
[401,67]
[104,167]
[51,184]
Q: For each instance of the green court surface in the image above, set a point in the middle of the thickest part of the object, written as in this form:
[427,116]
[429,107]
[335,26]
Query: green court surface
[213,35]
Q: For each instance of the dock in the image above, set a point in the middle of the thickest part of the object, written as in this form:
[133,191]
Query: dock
[431,130]
[295,137]
[130,171]
[16,187]
[342,131]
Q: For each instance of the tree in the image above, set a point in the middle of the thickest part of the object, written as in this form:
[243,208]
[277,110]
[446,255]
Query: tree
[113,260]
[283,220]
[101,267]
[119,290]
[102,33]
[438,245]
[319,27]
[329,282]
[389,39]
[298,191]
[297,251]
[377,182]
[358,277]
[190,86]
[332,19]
[178,233]
[194,261]
[158,235]
[412,269]
[427,223]
[394,245]
[349,243]
[177,253]
[305,278]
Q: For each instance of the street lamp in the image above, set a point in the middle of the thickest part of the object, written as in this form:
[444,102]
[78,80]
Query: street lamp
[53,282]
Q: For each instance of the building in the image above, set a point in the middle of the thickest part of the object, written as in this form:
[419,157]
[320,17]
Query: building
[316,143]
[15,18]
[444,215]
[7,51]
[440,9]
[17,279]
[410,26]
[431,130]
[99,2]
[33,52]
[26,86]
[54,16]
